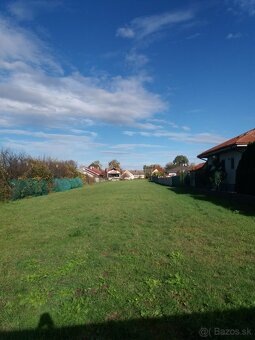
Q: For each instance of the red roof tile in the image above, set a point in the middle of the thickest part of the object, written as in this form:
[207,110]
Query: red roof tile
[198,166]
[97,171]
[93,171]
[243,139]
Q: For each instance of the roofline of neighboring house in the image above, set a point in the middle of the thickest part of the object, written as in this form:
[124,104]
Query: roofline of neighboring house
[91,171]
[209,153]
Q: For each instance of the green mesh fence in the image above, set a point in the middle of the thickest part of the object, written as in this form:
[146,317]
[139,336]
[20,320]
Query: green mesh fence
[63,184]
[21,188]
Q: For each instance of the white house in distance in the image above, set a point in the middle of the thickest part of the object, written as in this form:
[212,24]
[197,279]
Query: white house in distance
[127,175]
[132,174]
[113,174]
[178,170]
[230,153]
[137,173]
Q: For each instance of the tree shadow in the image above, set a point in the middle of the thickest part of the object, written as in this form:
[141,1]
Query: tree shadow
[231,324]
[238,203]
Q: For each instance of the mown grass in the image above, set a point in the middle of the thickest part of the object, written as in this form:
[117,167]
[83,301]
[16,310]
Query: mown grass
[122,251]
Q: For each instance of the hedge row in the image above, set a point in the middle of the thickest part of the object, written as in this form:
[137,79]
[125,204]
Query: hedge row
[20,188]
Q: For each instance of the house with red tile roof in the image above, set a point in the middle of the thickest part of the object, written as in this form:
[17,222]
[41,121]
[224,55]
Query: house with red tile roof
[229,154]
[92,172]
[157,170]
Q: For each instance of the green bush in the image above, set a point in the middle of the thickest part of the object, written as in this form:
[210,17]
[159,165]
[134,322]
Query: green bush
[245,173]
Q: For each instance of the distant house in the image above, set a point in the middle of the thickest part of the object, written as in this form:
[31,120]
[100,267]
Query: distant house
[132,174]
[127,175]
[92,172]
[229,154]
[157,171]
[113,174]
[137,173]
[178,170]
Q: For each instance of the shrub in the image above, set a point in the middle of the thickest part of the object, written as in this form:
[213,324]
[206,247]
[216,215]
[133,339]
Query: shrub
[217,174]
[38,170]
[22,175]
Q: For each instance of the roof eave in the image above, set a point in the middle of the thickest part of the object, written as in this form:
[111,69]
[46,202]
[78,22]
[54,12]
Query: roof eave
[212,153]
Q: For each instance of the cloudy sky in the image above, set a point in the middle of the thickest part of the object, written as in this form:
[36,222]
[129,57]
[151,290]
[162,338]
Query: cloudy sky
[138,81]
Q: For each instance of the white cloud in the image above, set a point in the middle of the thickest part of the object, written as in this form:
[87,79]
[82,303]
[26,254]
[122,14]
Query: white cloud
[125,32]
[59,145]
[135,146]
[147,126]
[22,51]
[129,133]
[28,9]
[234,36]
[204,137]
[193,36]
[142,27]
[247,6]
[136,60]
[31,93]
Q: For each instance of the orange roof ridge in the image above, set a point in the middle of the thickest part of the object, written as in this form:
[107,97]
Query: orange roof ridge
[242,139]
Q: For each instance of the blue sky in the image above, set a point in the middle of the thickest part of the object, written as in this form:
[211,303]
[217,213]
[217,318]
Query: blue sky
[137,81]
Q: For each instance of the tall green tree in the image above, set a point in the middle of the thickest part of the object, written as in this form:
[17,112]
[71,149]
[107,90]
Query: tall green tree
[96,164]
[114,164]
[181,160]
[169,166]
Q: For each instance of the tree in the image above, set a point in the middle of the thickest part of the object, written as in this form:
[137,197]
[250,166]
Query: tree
[169,166]
[96,164]
[114,164]
[245,173]
[217,173]
[148,169]
[181,160]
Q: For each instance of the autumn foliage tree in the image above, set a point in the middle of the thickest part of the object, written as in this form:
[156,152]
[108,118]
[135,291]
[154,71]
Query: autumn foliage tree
[114,164]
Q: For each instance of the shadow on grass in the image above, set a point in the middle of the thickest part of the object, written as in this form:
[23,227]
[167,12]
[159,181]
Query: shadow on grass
[243,204]
[232,324]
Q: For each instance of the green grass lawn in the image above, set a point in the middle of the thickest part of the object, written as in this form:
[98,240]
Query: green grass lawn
[126,259]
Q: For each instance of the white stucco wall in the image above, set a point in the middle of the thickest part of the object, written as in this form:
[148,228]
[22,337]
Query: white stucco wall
[227,156]
[231,173]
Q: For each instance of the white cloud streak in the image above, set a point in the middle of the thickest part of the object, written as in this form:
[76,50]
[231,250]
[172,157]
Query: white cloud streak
[136,146]
[247,6]
[142,27]
[60,145]
[204,137]
[28,9]
[231,36]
